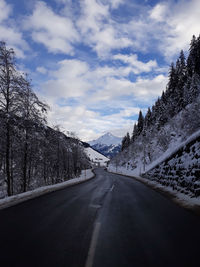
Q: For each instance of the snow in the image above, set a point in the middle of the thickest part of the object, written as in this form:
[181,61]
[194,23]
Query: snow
[16,199]
[171,150]
[107,139]
[96,157]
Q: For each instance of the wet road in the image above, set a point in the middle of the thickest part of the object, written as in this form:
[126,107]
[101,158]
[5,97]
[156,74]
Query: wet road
[109,221]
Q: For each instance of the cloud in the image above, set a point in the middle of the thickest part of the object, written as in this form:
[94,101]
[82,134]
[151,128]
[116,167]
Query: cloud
[9,32]
[148,89]
[55,32]
[69,80]
[41,70]
[137,66]
[175,22]
[97,97]
[7,9]
[98,29]
[90,124]
[158,13]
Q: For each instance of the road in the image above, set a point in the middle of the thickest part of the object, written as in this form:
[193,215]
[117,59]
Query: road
[109,221]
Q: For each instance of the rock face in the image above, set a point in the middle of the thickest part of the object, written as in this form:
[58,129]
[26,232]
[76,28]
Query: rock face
[108,144]
[180,171]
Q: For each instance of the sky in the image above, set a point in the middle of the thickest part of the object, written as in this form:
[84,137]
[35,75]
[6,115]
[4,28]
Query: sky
[98,62]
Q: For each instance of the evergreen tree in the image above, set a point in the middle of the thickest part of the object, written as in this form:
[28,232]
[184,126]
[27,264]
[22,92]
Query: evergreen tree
[125,141]
[140,123]
[181,80]
[134,134]
[148,118]
[171,91]
[191,57]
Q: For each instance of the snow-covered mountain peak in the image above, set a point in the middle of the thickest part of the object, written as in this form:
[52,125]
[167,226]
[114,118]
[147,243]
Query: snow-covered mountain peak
[107,139]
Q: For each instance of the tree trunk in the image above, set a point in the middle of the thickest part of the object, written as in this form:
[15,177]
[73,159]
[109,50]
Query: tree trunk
[8,180]
[25,164]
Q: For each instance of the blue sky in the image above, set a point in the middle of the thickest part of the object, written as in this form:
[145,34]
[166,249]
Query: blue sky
[98,62]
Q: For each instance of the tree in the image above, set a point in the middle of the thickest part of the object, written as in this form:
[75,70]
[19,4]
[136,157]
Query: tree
[9,102]
[134,134]
[148,118]
[192,57]
[31,110]
[181,80]
[140,123]
[126,141]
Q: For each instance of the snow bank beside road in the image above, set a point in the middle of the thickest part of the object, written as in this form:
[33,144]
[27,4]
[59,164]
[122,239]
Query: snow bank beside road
[16,199]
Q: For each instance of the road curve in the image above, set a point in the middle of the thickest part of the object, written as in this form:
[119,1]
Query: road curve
[110,221]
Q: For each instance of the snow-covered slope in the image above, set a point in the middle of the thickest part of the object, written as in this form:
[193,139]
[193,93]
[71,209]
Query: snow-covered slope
[107,139]
[95,157]
[108,145]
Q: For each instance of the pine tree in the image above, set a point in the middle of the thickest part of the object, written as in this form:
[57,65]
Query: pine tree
[148,118]
[140,123]
[125,141]
[191,58]
[171,91]
[181,80]
[134,134]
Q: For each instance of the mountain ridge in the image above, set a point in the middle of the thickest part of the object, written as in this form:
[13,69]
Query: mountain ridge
[107,144]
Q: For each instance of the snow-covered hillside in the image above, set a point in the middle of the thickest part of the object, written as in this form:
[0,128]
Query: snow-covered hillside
[95,157]
[108,145]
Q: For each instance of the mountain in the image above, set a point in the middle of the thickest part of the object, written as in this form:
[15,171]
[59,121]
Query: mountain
[107,144]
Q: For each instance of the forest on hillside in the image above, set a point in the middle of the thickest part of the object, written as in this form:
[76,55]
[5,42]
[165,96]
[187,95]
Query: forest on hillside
[182,89]
[31,153]
[174,116]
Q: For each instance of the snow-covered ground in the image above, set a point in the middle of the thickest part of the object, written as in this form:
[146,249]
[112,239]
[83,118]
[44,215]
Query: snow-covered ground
[95,157]
[16,199]
[173,148]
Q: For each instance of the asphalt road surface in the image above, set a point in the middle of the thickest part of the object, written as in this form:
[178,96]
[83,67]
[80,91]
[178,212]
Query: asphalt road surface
[109,221]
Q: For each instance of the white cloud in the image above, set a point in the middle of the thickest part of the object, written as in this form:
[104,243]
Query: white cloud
[69,80]
[158,13]
[147,89]
[41,70]
[137,66]
[54,31]
[98,29]
[9,32]
[89,124]
[174,23]
[7,9]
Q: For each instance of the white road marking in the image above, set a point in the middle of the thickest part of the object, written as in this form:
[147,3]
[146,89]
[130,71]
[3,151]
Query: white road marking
[91,253]
[112,188]
[95,206]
